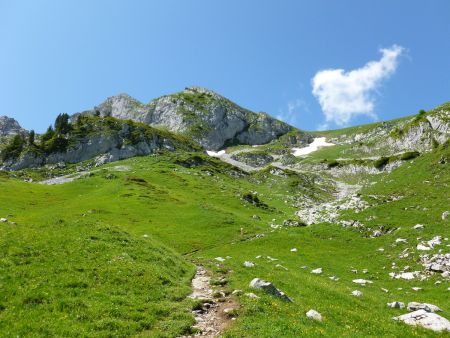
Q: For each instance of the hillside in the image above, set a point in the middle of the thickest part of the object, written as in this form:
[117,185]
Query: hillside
[108,247]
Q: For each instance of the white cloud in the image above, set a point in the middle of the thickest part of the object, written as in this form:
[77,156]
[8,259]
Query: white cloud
[343,95]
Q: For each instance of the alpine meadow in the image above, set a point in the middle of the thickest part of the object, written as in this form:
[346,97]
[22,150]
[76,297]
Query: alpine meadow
[235,169]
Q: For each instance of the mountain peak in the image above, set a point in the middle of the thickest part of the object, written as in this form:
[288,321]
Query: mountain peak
[201,90]
[199,113]
[9,126]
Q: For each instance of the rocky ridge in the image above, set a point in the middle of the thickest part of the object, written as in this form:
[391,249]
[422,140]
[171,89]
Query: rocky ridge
[207,117]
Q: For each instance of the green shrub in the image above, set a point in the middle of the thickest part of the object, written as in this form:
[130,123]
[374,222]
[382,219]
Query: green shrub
[253,199]
[434,143]
[409,155]
[55,144]
[381,162]
[332,164]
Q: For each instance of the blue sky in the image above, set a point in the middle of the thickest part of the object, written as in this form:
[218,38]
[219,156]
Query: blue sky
[281,57]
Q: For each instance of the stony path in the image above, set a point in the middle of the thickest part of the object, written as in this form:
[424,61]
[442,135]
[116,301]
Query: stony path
[227,158]
[64,179]
[210,319]
[74,176]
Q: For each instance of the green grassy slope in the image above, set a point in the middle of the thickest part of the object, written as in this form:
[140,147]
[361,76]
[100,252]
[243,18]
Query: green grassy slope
[67,275]
[102,256]
[424,183]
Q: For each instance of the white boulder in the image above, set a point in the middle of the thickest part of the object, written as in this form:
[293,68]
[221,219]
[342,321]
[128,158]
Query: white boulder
[317,271]
[425,319]
[314,315]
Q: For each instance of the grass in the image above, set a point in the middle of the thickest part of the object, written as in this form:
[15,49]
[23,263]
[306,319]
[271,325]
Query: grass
[111,254]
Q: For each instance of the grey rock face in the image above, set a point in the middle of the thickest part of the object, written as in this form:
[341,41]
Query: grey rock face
[9,126]
[106,148]
[253,159]
[414,134]
[207,117]
[269,288]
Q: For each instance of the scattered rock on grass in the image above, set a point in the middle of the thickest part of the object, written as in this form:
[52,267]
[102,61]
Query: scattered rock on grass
[396,305]
[436,240]
[317,271]
[248,264]
[404,275]
[425,319]
[230,312]
[414,306]
[281,267]
[314,315]
[357,293]
[251,295]
[362,281]
[422,247]
[269,288]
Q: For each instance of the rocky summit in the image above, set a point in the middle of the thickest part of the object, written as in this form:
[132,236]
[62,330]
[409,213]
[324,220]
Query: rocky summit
[191,216]
[207,117]
[9,126]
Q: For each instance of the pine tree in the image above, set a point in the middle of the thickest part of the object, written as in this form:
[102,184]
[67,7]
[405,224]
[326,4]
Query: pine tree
[62,125]
[31,137]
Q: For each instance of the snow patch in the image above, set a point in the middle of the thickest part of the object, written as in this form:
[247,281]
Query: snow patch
[215,153]
[313,146]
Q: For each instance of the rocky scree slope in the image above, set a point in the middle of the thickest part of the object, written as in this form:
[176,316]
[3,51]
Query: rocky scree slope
[210,119]
[421,133]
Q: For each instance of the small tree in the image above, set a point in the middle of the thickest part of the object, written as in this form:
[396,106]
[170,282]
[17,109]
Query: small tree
[48,135]
[31,137]
[62,125]
[14,148]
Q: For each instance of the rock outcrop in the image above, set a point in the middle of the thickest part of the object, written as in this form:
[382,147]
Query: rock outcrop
[123,141]
[420,133]
[9,126]
[208,118]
